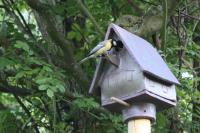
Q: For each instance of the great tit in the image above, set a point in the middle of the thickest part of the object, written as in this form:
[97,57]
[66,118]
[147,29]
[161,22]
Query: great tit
[101,49]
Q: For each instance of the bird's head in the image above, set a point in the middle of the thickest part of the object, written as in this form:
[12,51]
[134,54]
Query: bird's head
[116,43]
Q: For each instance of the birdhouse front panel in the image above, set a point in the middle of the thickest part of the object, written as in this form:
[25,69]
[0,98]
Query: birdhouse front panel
[121,81]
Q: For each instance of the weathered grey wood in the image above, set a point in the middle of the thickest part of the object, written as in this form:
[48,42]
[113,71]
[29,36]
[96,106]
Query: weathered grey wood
[140,76]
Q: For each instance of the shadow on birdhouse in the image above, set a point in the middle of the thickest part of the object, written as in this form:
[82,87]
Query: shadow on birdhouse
[141,75]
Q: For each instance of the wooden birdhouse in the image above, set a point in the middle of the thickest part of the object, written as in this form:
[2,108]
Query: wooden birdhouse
[141,75]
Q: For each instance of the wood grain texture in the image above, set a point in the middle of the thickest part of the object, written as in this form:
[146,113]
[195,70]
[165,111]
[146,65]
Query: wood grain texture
[139,126]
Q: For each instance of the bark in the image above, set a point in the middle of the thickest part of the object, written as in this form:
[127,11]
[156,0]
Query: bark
[151,23]
[16,90]
[195,100]
[59,39]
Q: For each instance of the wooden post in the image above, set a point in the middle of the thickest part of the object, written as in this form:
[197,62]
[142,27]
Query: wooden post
[139,126]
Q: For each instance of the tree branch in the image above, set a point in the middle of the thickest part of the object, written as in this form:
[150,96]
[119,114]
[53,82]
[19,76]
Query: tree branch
[85,10]
[136,8]
[164,29]
[27,29]
[27,112]
[190,16]
[24,108]
[150,3]
[59,39]
[54,114]
[16,90]
[151,24]
[2,6]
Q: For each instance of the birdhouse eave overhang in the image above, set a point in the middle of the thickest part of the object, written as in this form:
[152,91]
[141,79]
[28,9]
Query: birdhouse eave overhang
[145,55]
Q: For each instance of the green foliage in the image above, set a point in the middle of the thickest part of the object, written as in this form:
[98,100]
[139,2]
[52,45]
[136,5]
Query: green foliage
[24,46]
[51,81]
[5,62]
[34,59]
[85,103]
[9,123]
[161,125]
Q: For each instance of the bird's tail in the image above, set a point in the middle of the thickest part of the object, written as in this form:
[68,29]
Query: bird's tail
[85,59]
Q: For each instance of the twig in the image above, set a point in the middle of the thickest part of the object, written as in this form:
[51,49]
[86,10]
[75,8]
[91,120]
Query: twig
[23,20]
[190,16]
[136,8]
[120,101]
[27,112]
[85,10]
[164,30]
[25,124]
[58,111]
[180,52]
[24,108]
[93,115]
[150,3]
[40,108]
[195,26]
[12,14]
[82,34]
[2,6]
[16,90]
[60,40]
[29,32]
[54,114]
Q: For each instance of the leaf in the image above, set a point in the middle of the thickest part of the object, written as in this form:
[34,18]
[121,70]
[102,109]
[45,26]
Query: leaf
[71,35]
[32,26]
[5,62]
[24,46]
[88,103]
[61,88]
[20,74]
[43,87]
[78,36]
[50,93]
[43,80]
[48,69]
[36,61]
[59,9]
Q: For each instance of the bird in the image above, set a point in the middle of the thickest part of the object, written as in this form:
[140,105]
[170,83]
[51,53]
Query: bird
[101,49]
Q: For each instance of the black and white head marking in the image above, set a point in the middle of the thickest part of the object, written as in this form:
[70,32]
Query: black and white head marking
[114,43]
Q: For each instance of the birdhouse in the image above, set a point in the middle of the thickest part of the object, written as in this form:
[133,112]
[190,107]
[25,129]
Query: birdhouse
[141,75]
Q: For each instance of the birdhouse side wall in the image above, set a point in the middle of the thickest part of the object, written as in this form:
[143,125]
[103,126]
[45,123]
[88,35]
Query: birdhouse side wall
[162,90]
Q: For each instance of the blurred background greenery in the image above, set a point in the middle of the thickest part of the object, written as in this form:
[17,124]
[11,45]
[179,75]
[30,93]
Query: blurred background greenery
[41,40]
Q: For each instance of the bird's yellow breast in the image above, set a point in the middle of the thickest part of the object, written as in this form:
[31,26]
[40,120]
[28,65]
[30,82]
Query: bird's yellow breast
[104,49]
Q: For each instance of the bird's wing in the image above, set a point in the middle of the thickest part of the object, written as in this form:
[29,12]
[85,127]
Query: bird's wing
[95,49]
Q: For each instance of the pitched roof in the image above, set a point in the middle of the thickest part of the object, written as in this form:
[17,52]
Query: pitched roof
[144,53]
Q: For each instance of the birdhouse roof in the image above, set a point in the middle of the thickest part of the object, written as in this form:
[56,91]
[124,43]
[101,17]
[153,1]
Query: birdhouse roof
[146,56]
